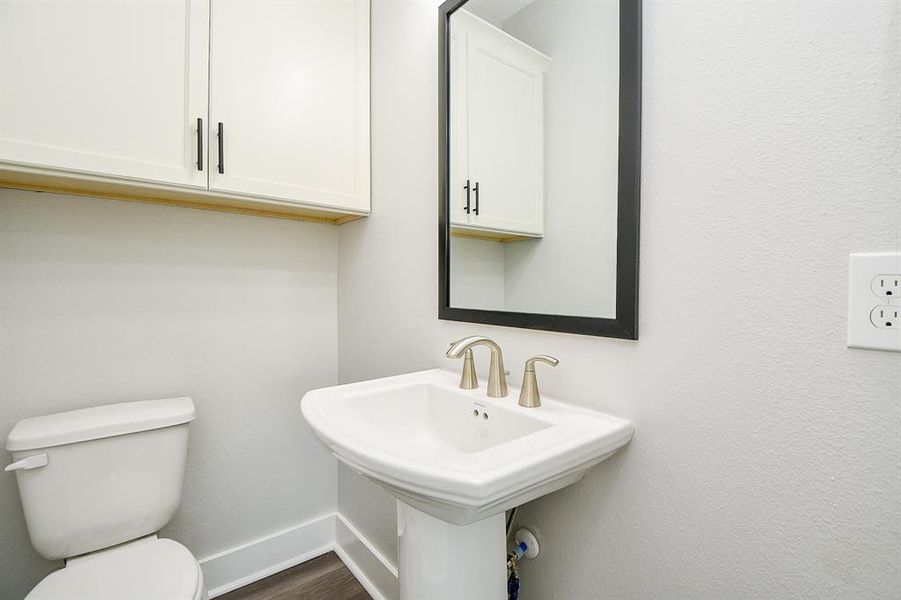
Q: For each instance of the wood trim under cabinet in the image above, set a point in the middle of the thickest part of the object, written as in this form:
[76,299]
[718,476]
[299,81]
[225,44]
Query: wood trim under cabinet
[40,180]
[487,234]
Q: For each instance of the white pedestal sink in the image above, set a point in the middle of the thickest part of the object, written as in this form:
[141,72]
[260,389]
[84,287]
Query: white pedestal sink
[456,460]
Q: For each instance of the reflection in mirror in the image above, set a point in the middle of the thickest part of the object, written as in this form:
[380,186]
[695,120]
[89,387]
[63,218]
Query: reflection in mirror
[533,156]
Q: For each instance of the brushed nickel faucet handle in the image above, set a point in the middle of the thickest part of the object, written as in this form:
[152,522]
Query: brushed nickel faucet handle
[469,380]
[528,395]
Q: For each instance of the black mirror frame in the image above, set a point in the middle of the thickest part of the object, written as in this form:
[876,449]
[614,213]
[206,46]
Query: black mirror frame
[625,325]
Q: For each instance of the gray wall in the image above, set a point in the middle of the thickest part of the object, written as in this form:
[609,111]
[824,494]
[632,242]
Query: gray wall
[104,301]
[765,462]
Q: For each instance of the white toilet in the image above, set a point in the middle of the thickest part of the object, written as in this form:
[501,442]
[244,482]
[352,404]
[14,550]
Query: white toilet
[96,486]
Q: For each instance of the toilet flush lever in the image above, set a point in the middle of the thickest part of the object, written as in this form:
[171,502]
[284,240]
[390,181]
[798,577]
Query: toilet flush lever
[29,462]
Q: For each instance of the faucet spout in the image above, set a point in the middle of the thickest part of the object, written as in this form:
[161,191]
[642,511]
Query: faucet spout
[497,379]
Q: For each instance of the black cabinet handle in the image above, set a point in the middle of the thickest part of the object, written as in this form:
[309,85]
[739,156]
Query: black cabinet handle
[199,144]
[221,153]
[476,190]
[466,187]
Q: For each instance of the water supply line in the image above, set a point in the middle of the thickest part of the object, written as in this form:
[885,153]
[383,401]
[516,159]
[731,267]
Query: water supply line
[526,547]
[510,518]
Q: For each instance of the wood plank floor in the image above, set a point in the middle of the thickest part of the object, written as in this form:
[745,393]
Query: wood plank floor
[323,578]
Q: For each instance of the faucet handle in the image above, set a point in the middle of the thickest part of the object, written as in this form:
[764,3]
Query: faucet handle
[468,380]
[530,363]
[528,395]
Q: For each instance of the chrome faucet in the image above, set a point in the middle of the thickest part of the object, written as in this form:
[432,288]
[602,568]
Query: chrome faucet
[497,378]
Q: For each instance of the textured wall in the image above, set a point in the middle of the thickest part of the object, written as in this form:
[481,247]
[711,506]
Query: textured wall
[766,458]
[106,301]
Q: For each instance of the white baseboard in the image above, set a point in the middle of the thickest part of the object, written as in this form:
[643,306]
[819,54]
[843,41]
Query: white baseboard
[375,572]
[255,560]
[244,564]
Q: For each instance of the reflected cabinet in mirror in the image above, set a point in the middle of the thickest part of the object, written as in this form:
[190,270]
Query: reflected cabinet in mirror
[539,164]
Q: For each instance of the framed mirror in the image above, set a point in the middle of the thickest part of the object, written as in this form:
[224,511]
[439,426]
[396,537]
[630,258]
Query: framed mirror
[539,164]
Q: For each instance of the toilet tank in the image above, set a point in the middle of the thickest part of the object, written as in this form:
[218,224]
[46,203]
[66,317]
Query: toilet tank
[113,473]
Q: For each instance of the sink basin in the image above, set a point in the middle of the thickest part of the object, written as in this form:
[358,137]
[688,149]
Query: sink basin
[456,460]
[457,454]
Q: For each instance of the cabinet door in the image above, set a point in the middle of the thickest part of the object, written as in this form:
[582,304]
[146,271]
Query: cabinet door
[289,81]
[504,129]
[460,197]
[107,88]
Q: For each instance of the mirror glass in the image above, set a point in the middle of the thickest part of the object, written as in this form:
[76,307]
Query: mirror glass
[533,156]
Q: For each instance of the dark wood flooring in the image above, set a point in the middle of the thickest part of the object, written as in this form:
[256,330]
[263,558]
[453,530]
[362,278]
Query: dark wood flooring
[323,578]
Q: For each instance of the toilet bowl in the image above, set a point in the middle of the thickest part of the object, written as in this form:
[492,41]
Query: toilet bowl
[147,568]
[96,486]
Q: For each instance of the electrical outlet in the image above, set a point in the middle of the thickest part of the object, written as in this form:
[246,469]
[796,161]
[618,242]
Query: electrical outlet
[874,301]
[887,286]
[885,316]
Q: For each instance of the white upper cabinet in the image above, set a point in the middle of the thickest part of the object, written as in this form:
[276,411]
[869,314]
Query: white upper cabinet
[104,97]
[289,81]
[496,131]
[110,88]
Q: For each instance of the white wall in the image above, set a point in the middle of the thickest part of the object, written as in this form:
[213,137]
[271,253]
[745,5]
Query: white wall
[572,269]
[395,303]
[477,275]
[104,301]
[765,462]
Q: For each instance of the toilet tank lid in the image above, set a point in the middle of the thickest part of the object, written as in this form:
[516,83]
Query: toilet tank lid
[98,422]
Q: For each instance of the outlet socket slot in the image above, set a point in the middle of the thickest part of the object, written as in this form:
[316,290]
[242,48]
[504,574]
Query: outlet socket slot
[886,286]
[886,316]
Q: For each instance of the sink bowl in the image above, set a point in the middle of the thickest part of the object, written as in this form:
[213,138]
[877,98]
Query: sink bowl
[455,454]
[456,460]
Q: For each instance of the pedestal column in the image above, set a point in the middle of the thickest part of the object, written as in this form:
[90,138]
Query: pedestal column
[441,561]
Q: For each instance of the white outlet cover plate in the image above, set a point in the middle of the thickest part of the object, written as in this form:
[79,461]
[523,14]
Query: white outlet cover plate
[862,269]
